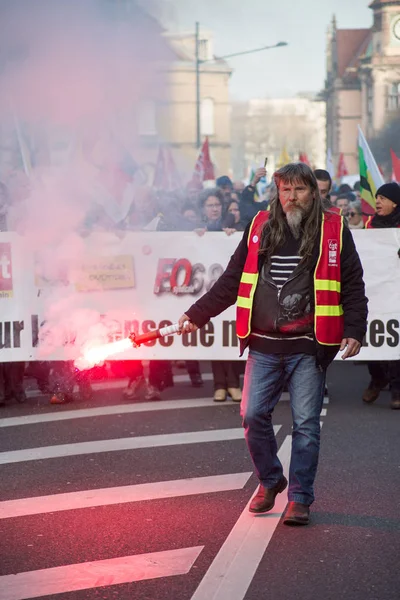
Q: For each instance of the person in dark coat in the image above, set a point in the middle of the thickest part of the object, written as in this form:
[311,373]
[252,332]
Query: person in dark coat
[273,275]
[386,372]
[249,207]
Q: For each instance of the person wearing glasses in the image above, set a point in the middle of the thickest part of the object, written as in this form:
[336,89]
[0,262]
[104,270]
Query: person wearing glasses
[355,215]
[211,205]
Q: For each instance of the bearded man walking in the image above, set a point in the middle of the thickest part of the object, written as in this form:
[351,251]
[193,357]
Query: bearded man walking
[298,283]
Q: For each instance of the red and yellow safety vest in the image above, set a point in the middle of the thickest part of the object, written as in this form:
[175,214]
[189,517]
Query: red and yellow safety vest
[335,209]
[328,317]
[368,223]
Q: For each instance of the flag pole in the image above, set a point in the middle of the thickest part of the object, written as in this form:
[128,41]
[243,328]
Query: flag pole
[25,159]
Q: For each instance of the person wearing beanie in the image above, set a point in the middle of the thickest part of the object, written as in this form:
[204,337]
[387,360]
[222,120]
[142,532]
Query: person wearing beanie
[385,372]
[387,207]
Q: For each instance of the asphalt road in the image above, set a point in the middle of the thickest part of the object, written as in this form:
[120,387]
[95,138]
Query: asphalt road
[111,499]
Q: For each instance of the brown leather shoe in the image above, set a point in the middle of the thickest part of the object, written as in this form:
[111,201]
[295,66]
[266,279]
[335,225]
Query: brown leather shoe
[395,404]
[373,390]
[297,514]
[264,500]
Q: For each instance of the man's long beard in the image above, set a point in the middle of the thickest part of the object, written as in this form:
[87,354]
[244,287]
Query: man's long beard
[294,218]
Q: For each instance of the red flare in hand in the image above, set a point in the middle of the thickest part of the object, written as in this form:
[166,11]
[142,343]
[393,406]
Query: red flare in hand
[94,355]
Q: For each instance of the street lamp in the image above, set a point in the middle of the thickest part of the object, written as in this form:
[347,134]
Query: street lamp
[278,45]
[200,62]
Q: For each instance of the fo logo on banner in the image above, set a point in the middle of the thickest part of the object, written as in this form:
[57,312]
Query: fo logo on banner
[6,282]
[333,253]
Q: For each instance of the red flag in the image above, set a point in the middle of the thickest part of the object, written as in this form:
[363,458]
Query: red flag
[204,168]
[304,158]
[341,168]
[166,175]
[395,166]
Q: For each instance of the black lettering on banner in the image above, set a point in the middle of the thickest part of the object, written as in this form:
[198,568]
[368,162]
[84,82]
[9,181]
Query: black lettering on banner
[229,337]
[131,327]
[35,330]
[18,326]
[377,333]
[392,329]
[147,327]
[207,335]
[169,340]
[5,334]
[189,339]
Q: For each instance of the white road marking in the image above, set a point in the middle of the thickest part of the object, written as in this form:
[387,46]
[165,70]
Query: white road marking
[101,573]
[233,569]
[132,443]
[121,495]
[326,400]
[119,409]
[323,412]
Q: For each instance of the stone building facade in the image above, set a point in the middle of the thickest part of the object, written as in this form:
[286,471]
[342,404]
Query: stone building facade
[363,80]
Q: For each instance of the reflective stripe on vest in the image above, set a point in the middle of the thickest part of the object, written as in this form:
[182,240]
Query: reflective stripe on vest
[249,279]
[328,315]
[327,280]
[368,223]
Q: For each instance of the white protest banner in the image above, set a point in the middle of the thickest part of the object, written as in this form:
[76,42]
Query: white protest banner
[147,280]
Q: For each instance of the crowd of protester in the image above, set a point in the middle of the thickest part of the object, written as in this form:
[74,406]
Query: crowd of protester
[227,207]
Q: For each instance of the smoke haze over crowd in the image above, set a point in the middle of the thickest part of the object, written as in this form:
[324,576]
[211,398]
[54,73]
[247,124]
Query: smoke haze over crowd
[74,78]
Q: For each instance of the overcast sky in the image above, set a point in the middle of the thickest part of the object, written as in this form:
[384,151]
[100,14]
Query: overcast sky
[246,24]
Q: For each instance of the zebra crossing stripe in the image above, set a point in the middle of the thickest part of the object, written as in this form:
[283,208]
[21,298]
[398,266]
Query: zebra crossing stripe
[118,409]
[121,495]
[132,443]
[101,573]
[235,565]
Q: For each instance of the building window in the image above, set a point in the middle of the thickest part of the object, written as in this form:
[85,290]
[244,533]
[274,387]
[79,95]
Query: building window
[394,97]
[147,122]
[207,117]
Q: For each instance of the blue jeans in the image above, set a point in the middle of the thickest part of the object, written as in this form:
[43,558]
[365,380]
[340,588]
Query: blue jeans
[265,377]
